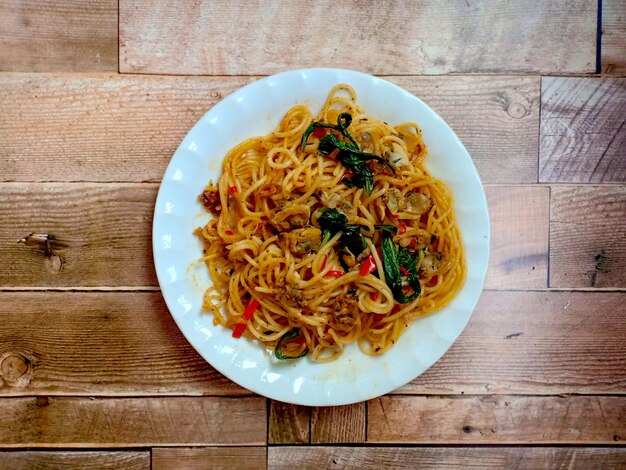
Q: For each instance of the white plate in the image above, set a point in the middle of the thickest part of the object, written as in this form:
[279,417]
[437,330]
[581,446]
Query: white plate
[254,110]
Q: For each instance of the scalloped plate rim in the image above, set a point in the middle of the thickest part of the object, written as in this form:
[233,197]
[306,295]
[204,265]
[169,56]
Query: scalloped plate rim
[305,382]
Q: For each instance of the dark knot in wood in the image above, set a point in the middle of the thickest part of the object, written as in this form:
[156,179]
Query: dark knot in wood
[48,244]
[15,369]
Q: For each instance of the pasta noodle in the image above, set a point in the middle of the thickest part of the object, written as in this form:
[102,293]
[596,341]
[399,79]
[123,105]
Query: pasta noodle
[327,231]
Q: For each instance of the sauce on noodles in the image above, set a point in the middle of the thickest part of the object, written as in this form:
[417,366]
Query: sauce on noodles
[327,231]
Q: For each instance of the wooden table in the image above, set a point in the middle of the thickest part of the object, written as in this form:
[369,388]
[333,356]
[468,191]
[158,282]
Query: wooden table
[94,98]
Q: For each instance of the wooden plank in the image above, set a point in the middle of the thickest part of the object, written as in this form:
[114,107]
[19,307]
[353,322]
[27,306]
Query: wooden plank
[435,38]
[289,424]
[497,420]
[516,342]
[614,37]
[131,422]
[583,137]
[82,234]
[58,36]
[128,127]
[96,460]
[223,458]
[519,247]
[587,234]
[535,343]
[98,347]
[131,126]
[358,458]
[497,118]
[338,424]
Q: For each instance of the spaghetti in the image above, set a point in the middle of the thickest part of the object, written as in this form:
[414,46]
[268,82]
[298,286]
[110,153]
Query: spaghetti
[327,231]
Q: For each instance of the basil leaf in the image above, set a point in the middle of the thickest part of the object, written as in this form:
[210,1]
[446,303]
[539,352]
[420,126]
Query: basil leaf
[349,154]
[332,221]
[390,263]
[330,142]
[407,260]
[387,228]
[343,122]
[309,130]
[293,334]
[391,267]
[353,240]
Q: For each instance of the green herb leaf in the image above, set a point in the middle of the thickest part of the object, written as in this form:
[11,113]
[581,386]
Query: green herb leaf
[293,334]
[352,239]
[330,142]
[354,160]
[407,260]
[387,228]
[332,221]
[349,155]
[309,130]
[343,122]
[391,267]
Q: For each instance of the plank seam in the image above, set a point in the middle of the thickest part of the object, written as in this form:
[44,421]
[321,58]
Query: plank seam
[508,394]
[599,39]
[549,234]
[148,449]
[539,133]
[459,396]
[118,71]
[495,73]
[374,445]
[310,410]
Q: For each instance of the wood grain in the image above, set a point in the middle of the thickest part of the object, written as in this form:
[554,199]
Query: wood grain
[131,422]
[587,236]
[99,128]
[497,420]
[289,424]
[129,127]
[82,235]
[519,246]
[535,343]
[338,424]
[583,137]
[516,342]
[514,458]
[87,460]
[113,343]
[429,37]
[613,37]
[58,36]
[222,458]
[497,118]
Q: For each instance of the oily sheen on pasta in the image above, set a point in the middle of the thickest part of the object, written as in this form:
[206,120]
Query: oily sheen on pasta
[327,231]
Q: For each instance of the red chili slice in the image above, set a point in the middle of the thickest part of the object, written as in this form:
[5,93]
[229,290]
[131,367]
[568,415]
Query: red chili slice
[247,314]
[252,306]
[334,274]
[238,330]
[368,266]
